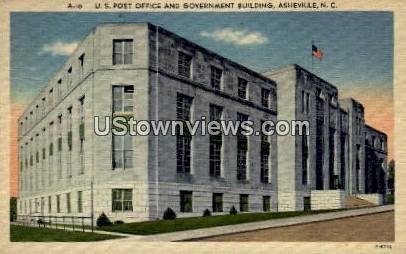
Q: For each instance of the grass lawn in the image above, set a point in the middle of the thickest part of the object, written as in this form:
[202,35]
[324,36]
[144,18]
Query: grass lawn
[180,224]
[30,234]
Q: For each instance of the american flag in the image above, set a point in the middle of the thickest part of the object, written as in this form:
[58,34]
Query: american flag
[317,53]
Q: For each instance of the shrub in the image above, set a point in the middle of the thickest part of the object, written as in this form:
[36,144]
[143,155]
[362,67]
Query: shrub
[233,211]
[117,222]
[103,220]
[206,213]
[169,214]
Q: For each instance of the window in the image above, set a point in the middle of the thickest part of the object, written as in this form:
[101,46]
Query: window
[51,98]
[51,153]
[217,202]
[59,147]
[216,142]
[122,200]
[242,149]
[307,103]
[183,140]
[59,88]
[81,62]
[265,155]
[42,205]
[68,207]
[215,77]
[80,202]
[123,151]
[36,205]
[58,203]
[357,167]
[123,100]
[82,134]
[69,77]
[122,51]
[122,145]
[184,65]
[242,88]
[186,205]
[265,95]
[266,203]
[43,107]
[243,202]
[305,155]
[69,142]
[49,204]
[306,204]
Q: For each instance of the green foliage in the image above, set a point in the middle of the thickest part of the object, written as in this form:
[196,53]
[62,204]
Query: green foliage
[180,224]
[391,176]
[206,213]
[33,234]
[13,209]
[233,211]
[117,222]
[103,220]
[390,199]
[169,214]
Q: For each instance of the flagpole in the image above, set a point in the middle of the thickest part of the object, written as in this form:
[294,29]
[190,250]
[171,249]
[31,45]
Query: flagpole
[311,54]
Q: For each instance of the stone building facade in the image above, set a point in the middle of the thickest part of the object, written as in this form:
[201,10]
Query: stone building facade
[147,72]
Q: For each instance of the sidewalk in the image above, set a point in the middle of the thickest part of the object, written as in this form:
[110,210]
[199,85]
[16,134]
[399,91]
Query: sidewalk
[244,227]
[215,231]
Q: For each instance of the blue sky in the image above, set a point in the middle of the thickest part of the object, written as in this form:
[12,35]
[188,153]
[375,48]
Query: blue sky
[357,46]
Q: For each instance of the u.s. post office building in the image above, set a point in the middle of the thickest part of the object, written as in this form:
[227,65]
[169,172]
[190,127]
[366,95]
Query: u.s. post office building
[145,71]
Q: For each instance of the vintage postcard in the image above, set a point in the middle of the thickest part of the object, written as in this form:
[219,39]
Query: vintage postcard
[202,126]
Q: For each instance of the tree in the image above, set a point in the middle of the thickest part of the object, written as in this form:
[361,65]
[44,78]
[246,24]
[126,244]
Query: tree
[391,176]
[13,209]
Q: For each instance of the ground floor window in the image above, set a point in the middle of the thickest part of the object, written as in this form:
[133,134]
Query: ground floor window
[243,202]
[306,204]
[122,200]
[186,202]
[217,202]
[36,205]
[266,203]
[68,208]
[49,204]
[42,205]
[58,203]
[80,205]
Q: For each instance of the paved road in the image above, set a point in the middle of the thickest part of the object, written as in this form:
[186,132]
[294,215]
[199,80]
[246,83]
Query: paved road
[377,227]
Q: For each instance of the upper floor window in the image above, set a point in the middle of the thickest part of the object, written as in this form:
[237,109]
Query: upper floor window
[265,94]
[69,76]
[184,64]
[59,88]
[82,60]
[215,77]
[122,51]
[242,88]
[123,98]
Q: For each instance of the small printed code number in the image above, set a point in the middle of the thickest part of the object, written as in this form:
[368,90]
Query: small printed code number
[383,246]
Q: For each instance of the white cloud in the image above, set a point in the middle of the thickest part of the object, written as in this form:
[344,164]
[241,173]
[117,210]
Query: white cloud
[237,37]
[59,48]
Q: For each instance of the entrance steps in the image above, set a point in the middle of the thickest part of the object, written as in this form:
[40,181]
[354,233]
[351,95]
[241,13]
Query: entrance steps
[355,202]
